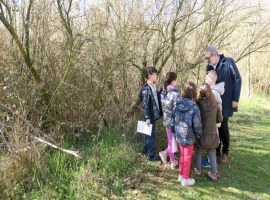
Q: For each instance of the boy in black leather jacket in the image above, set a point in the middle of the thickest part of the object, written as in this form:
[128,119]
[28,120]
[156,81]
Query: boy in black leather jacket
[150,99]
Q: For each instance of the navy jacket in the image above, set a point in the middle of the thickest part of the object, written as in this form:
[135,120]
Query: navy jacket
[228,73]
[150,108]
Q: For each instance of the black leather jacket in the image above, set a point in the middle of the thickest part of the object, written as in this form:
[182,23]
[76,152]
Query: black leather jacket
[150,108]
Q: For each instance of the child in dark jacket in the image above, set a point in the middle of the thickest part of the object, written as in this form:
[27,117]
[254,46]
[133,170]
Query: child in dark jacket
[186,126]
[150,98]
[210,115]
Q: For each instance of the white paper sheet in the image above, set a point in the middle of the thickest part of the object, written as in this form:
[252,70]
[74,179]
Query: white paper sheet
[142,127]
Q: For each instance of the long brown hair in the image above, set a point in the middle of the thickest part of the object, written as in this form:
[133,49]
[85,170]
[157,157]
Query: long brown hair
[190,91]
[206,93]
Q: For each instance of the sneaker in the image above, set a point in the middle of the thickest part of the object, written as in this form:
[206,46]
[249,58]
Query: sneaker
[188,182]
[163,156]
[224,158]
[180,177]
[212,177]
[174,164]
[197,172]
[205,163]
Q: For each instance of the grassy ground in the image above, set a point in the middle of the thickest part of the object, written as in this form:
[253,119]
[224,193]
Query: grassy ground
[246,176]
[113,168]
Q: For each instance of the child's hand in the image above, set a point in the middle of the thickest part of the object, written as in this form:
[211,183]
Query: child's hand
[148,122]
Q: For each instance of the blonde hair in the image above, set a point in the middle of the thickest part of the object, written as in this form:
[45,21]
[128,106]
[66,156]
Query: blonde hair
[213,73]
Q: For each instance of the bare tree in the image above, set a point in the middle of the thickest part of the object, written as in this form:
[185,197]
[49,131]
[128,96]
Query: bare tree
[7,19]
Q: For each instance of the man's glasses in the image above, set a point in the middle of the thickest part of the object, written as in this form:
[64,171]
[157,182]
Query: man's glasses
[208,58]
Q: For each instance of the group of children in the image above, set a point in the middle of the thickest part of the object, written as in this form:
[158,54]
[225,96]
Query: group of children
[191,119]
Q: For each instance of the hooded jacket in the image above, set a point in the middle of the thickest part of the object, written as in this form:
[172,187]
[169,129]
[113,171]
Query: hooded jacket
[169,98]
[186,122]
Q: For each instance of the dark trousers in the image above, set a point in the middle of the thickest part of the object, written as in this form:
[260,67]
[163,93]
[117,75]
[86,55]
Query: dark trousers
[224,136]
[149,141]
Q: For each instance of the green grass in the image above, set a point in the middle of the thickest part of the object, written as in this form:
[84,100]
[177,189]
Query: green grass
[113,168]
[107,162]
[246,176]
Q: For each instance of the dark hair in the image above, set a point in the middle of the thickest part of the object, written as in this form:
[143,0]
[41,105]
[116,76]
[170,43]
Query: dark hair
[149,70]
[170,76]
[206,93]
[190,91]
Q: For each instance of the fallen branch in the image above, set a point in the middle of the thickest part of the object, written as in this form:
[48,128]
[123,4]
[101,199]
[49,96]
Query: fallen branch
[74,153]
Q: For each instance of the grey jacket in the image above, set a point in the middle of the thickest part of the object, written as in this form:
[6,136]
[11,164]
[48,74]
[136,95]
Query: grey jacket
[169,98]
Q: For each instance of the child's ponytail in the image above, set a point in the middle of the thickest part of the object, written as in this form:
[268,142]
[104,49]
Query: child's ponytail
[170,76]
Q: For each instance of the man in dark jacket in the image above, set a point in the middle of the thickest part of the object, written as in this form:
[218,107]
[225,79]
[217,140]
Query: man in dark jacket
[228,73]
[152,111]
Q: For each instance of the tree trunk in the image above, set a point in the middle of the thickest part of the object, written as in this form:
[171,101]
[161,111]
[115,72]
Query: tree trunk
[248,77]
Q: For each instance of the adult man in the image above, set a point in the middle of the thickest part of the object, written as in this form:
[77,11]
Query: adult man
[228,73]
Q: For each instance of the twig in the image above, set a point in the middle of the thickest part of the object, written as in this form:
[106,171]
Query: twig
[24,149]
[74,153]
[10,149]
[261,168]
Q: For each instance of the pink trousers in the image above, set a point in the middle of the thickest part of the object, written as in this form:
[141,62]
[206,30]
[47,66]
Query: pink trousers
[185,160]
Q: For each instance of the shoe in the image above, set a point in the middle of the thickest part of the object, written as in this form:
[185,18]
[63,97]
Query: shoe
[212,177]
[205,163]
[224,158]
[188,182]
[180,177]
[174,164]
[163,156]
[144,152]
[197,172]
[154,158]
